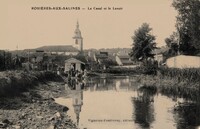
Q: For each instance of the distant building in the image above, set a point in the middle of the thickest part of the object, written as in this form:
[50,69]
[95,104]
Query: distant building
[74,64]
[159,57]
[59,50]
[158,54]
[99,57]
[123,60]
[101,60]
[124,51]
[116,51]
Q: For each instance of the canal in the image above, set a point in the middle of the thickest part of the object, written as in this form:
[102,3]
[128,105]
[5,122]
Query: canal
[121,103]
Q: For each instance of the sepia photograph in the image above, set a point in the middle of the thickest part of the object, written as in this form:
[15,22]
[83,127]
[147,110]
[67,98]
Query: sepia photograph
[100,64]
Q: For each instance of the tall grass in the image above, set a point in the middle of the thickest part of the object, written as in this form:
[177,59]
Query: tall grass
[189,75]
[186,82]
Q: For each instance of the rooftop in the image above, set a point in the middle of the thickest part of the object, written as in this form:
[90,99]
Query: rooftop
[58,48]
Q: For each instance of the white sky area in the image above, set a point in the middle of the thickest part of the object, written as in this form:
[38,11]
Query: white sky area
[100,29]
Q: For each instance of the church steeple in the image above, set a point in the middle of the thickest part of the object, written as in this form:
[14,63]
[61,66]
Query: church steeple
[77,25]
[78,38]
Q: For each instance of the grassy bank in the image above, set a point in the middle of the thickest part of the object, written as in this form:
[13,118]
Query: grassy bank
[189,74]
[174,82]
[15,82]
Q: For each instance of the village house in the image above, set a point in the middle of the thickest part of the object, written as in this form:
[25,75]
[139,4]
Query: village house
[99,57]
[92,64]
[123,60]
[159,54]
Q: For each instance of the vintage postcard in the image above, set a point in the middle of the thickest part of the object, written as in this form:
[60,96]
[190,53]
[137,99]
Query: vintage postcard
[100,64]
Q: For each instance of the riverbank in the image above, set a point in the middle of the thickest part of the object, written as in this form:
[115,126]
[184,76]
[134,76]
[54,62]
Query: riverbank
[27,101]
[115,72]
[174,83]
[125,71]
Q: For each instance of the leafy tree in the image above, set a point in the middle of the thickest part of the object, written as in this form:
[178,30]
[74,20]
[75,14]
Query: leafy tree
[172,39]
[172,44]
[188,25]
[143,43]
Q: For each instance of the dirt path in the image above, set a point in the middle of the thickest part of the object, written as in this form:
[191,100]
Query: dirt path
[35,109]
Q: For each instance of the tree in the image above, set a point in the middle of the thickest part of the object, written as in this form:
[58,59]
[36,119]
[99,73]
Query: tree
[5,60]
[172,44]
[143,43]
[172,39]
[188,25]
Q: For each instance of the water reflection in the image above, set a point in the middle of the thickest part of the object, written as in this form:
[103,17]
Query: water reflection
[144,108]
[180,92]
[187,115]
[122,98]
[77,104]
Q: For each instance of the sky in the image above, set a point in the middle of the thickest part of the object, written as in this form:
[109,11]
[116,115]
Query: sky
[25,28]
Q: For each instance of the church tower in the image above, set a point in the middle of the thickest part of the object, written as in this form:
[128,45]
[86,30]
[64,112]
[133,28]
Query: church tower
[78,38]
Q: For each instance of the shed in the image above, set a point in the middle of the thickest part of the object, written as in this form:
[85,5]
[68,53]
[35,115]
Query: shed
[74,64]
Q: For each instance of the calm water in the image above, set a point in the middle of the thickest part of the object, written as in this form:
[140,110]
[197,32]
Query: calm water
[117,103]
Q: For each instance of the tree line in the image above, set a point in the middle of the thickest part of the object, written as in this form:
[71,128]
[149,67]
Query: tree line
[184,40]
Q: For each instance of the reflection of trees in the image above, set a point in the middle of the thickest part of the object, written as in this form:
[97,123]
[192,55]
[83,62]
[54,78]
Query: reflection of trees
[180,92]
[187,115]
[143,106]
